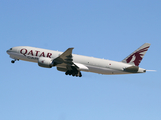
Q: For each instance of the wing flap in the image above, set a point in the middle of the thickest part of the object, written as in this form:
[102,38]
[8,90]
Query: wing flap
[81,66]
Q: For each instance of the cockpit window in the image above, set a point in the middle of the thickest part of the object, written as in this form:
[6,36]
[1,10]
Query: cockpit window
[10,48]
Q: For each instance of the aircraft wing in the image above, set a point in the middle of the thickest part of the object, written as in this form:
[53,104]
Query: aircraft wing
[65,58]
[65,64]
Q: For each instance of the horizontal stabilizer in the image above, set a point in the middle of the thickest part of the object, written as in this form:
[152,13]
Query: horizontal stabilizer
[132,69]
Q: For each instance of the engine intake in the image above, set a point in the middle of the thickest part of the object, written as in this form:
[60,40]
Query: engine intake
[45,62]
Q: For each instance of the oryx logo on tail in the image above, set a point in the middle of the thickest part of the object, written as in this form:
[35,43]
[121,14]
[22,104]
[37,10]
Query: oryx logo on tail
[136,57]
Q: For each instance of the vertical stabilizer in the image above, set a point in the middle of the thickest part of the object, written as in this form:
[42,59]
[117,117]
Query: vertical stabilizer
[136,57]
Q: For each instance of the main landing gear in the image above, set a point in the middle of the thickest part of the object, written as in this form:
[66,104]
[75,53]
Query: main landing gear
[13,61]
[74,73]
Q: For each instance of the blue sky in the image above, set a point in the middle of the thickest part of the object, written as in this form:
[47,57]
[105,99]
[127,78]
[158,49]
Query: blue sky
[98,28]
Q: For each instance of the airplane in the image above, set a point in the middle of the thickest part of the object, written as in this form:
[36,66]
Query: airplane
[73,64]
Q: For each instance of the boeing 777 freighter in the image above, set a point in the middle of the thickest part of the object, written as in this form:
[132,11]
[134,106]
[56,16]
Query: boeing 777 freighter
[73,64]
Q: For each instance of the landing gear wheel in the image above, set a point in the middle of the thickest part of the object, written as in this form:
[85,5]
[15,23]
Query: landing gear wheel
[80,74]
[73,73]
[13,61]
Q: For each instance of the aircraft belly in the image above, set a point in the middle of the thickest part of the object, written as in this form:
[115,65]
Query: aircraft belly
[106,71]
[99,70]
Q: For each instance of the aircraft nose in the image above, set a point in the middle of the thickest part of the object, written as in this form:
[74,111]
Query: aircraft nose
[8,51]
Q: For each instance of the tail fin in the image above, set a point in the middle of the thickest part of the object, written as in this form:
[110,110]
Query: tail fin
[136,57]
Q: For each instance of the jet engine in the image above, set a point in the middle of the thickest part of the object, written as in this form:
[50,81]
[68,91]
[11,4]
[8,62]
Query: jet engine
[45,62]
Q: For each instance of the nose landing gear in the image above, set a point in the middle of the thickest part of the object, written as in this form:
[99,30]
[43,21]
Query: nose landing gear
[13,61]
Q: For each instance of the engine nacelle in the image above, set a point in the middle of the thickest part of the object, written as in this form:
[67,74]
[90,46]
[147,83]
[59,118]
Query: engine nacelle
[45,62]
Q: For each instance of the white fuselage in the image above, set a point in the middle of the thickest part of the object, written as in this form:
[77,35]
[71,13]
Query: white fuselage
[90,64]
